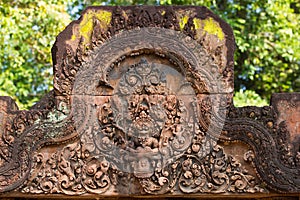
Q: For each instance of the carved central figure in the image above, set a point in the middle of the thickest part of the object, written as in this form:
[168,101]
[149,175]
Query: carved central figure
[143,123]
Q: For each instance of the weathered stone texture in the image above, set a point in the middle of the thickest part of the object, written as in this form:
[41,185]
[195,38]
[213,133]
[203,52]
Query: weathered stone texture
[142,105]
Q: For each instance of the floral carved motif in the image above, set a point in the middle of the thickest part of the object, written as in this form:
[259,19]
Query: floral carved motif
[73,171]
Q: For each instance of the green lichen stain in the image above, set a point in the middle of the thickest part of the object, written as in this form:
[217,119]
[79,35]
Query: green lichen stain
[182,21]
[86,25]
[210,26]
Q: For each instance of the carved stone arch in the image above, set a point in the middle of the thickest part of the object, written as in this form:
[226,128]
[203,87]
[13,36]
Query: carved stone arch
[184,53]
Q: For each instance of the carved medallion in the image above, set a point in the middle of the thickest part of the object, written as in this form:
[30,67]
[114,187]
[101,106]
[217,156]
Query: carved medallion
[145,124]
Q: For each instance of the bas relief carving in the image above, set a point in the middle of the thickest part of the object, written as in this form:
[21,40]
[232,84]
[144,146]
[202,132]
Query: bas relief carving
[152,123]
[142,104]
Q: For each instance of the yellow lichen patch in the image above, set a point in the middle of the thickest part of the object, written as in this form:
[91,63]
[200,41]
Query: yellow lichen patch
[86,25]
[197,23]
[104,17]
[73,37]
[209,26]
[182,21]
[213,27]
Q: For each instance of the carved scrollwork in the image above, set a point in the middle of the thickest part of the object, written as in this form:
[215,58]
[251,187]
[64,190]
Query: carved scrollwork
[215,173]
[15,159]
[69,171]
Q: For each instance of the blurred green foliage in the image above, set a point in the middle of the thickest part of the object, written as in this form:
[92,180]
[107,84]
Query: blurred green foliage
[247,98]
[27,32]
[267,58]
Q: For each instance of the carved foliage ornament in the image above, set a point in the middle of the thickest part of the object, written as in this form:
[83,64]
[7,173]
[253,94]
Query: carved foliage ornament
[73,171]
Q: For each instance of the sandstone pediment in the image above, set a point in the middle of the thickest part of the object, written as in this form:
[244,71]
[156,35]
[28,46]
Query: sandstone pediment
[142,105]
